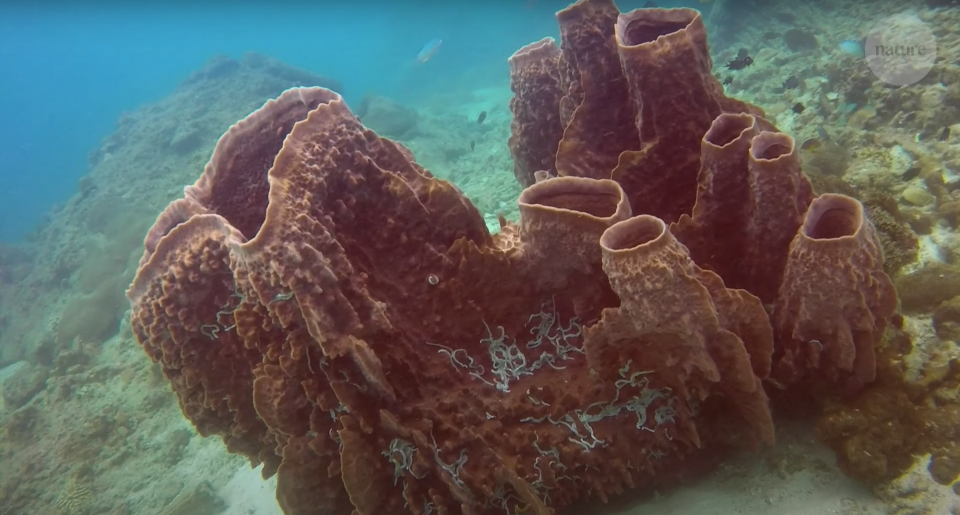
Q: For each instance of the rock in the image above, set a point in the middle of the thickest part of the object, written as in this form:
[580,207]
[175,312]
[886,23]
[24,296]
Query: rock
[945,465]
[186,138]
[946,319]
[386,117]
[294,76]
[217,67]
[925,289]
[23,385]
[900,160]
[917,196]
[21,424]
[950,211]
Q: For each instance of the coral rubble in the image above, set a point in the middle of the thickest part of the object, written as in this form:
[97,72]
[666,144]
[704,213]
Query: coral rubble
[335,312]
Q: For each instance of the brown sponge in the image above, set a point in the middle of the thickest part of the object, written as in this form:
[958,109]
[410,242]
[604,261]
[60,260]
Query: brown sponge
[535,130]
[561,221]
[751,197]
[835,300]
[666,62]
[779,196]
[595,107]
[714,231]
[680,320]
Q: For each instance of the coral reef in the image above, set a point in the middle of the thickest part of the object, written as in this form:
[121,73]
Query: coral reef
[87,240]
[898,241]
[915,492]
[338,314]
[99,402]
[360,326]
[879,433]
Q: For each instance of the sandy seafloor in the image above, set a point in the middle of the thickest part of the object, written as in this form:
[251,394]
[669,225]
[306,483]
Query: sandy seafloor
[96,430]
[747,485]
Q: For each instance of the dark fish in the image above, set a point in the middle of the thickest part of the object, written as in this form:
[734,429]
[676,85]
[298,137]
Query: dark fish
[742,61]
[771,35]
[739,64]
[798,108]
[791,82]
[944,134]
[912,172]
[650,5]
[728,81]
[482,117]
[473,145]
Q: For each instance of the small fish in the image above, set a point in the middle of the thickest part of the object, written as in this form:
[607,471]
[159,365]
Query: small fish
[742,61]
[811,144]
[944,134]
[482,117]
[728,81]
[429,50]
[650,5]
[912,173]
[791,82]
[798,108]
[473,145]
[823,133]
[739,64]
[851,47]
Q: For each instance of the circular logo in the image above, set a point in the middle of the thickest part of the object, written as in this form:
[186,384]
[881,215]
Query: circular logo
[900,49]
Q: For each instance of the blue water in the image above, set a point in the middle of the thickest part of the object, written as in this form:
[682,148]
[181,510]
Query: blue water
[69,71]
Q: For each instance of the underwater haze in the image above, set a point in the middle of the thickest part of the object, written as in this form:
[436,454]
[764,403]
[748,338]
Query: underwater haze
[522,257]
[71,69]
